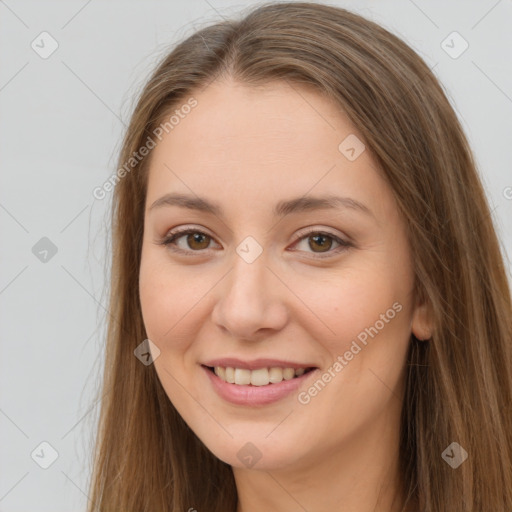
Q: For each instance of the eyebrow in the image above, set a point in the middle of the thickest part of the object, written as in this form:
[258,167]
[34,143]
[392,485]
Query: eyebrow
[296,205]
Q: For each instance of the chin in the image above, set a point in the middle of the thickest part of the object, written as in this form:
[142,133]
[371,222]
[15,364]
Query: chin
[257,452]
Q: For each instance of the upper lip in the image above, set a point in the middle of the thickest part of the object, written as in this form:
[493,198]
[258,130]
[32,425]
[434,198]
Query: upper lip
[254,364]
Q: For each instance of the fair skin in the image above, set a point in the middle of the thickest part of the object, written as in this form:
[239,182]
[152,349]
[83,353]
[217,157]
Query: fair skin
[247,149]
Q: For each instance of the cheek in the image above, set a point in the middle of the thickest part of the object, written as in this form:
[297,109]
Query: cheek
[165,297]
[364,331]
[174,303]
[367,321]
[344,307]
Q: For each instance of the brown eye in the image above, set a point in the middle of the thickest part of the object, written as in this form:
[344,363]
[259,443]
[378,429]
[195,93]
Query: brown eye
[198,241]
[323,242]
[190,240]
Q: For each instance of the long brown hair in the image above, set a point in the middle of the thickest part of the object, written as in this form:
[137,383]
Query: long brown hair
[458,384]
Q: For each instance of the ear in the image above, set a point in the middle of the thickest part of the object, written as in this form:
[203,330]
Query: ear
[422,324]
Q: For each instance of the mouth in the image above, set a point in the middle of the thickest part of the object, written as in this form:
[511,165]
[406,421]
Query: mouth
[258,377]
[257,382]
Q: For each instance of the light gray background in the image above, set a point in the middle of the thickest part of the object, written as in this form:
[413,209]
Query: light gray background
[61,122]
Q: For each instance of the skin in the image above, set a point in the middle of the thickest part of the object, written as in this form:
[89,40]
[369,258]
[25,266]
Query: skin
[248,148]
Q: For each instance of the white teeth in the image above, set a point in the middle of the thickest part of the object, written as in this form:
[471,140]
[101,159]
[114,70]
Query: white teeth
[221,372]
[230,375]
[259,377]
[275,375]
[288,373]
[242,376]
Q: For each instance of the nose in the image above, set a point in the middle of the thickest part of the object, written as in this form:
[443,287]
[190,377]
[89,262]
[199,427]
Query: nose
[251,301]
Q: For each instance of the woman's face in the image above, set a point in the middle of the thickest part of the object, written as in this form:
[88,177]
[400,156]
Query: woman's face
[271,279]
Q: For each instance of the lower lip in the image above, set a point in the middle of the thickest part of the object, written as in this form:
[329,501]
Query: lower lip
[255,395]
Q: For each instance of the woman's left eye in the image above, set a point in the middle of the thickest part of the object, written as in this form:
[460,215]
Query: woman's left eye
[324,242]
[196,241]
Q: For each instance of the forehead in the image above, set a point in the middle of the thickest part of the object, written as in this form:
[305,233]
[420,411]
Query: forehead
[261,121]
[260,143]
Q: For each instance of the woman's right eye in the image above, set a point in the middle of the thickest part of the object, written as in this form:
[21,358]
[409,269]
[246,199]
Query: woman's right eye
[193,239]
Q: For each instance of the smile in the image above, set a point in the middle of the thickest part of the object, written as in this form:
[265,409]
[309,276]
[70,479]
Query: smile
[257,383]
[257,377]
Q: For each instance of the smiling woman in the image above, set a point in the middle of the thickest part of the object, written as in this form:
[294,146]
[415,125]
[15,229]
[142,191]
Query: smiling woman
[307,263]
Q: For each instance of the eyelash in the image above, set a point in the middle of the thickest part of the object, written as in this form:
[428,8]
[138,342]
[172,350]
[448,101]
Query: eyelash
[173,236]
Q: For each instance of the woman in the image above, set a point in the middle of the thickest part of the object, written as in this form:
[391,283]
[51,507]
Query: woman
[309,307]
